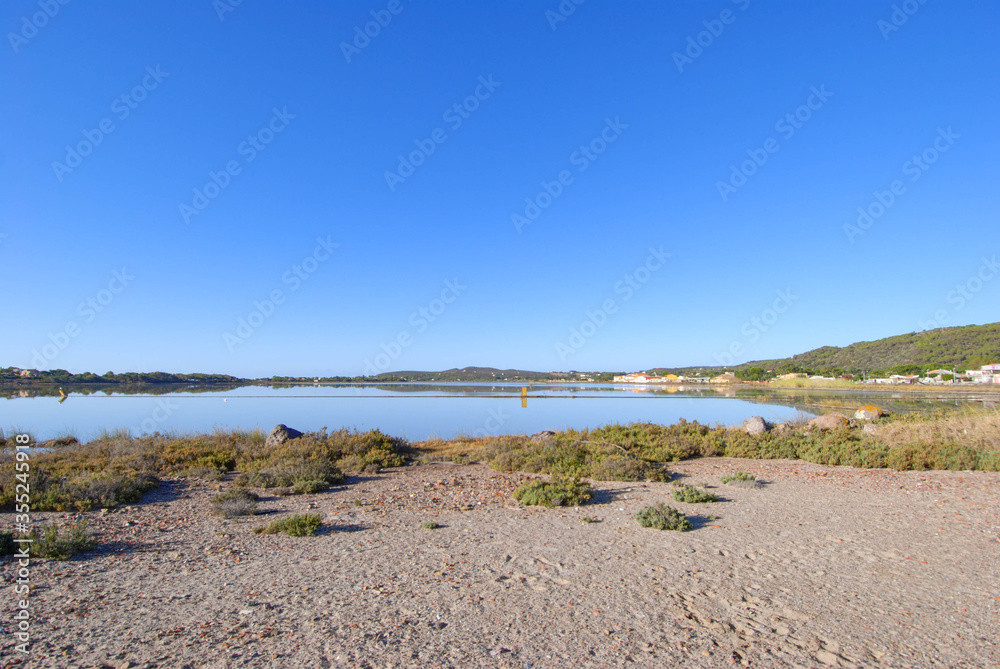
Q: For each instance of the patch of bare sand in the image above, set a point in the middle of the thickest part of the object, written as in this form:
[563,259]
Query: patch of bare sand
[820,566]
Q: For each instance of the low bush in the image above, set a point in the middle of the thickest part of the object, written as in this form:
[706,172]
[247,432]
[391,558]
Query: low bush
[309,487]
[117,468]
[430,525]
[292,474]
[205,473]
[691,495]
[82,492]
[7,545]
[557,492]
[58,545]
[663,517]
[739,476]
[299,525]
[234,503]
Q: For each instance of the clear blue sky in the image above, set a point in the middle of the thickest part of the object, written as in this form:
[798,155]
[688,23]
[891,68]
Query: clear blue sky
[331,121]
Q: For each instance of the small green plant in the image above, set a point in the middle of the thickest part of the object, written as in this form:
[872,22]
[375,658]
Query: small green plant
[430,525]
[739,477]
[7,543]
[309,487]
[234,503]
[52,543]
[299,525]
[590,519]
[692,495]
[557,492]
[206,473]
[358,502]
[663,517]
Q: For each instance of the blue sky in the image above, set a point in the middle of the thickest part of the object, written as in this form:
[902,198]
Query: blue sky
[591,129]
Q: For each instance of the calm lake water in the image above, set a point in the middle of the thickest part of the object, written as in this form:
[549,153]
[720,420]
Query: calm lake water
[421,411]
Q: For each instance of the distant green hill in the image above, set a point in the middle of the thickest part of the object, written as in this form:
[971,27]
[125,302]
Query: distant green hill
[12,375]
[474,374]
[965,347]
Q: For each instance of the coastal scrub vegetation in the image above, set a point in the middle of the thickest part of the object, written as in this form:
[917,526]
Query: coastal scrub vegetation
[663,517]
[55,544]
[234,503]
[691,495]
[956,439]
[118,469]
[739,478]
[299,525]
[557,492]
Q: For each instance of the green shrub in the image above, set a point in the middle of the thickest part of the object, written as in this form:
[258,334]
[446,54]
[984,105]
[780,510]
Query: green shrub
[234,503]
[205,473]
[557,492]
[663,517]
[117,468]
[430,525]
[738,476]
[52,543]
[624,468]
[692,495]
[299,525]
[292,474]
[309,487]
[88,491]
[7,545]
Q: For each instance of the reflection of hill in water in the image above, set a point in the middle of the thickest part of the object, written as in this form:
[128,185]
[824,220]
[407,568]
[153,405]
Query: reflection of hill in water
[806,400]
[49,390]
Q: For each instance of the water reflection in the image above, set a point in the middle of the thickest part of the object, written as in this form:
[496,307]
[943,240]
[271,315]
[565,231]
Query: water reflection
[422,410]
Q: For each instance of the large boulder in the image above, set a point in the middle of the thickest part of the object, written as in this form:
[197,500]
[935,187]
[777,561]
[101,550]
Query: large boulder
[828,421]
[868,412]
[542,436]
[279,434]
[755,425]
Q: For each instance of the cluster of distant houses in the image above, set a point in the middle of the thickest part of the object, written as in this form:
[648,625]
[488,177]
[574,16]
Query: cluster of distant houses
[25,373]
[987,374]
[669,378]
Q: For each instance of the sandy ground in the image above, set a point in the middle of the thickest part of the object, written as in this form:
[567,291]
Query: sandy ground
[821,566]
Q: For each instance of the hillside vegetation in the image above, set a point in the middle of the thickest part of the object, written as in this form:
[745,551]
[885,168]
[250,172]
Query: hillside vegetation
[967,347]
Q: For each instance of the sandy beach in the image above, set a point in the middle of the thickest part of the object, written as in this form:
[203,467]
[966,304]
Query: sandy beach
[819,566]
